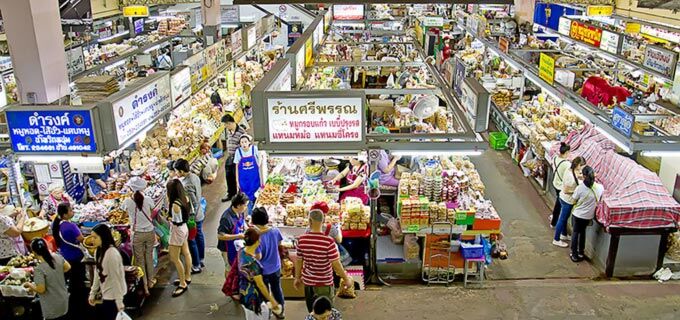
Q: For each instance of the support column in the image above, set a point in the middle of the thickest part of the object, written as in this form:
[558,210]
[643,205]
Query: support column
[210,10]
[524,10]
[33,29]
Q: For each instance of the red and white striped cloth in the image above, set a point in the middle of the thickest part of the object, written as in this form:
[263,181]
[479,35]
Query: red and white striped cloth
[634,197]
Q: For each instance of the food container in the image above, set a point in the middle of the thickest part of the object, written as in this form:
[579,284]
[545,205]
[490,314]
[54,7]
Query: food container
[35,228]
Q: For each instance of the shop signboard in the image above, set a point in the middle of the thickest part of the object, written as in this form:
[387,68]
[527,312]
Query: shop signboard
[660,35]
[229,14]
[75,61]
[348,11]
[599,11]
[327,19]
[283,81]
[660,60]
[437,22]
[46,130]
[546,68]
[585,33]
[236,42]
[611,42]
[197,67]
[633,27]
[180,86]
[309,53]
[135,11]
[504,44]
[299,66]
[623,121]
[564,26]
[458,77]
[338,119]
[251,34]
[294,31]
[259,28]
[141,108]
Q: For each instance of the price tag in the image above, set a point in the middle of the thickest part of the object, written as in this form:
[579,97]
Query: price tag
[413,228]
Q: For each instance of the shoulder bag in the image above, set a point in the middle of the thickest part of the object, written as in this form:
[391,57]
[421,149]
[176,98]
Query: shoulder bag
[86,253]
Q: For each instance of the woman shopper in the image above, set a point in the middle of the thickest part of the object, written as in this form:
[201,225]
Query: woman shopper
[48,281]
[68,238]
[109,276]
[192,185]
[561,164]
[270,240]
[356,180]
[248,173]
[231,228]
[587,195]
[179,232]
[140,209]
[253,290]
[569,183]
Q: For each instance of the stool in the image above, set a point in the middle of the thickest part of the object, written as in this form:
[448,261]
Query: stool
[479,274]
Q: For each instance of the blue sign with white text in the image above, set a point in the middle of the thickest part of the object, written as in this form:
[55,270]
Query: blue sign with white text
[52,131]
[623,121]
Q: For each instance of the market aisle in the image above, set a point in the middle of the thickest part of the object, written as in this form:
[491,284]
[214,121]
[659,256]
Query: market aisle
[525,225]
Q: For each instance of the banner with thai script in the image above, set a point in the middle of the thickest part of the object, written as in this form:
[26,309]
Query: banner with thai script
[585,33]
[141,108]
[660,60]
[546,68]
[315,119]
[52,131]
[348,11]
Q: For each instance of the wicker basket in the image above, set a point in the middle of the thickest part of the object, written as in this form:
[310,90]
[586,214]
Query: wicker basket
[30,235]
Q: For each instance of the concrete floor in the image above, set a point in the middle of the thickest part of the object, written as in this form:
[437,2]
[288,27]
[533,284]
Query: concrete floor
[538,281]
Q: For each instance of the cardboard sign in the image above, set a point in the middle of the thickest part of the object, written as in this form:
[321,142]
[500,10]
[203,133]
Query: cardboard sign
[585,33]
[546,68]
[610,42]
[564,26]
[599,11]
[136,11]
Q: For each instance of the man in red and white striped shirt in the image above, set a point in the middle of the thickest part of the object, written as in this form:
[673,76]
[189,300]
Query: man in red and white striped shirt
[317,258]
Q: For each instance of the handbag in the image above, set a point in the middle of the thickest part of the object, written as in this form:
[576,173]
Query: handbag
[191,224]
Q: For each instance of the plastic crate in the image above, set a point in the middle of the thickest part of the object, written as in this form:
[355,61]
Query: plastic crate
[497,140]
[472,251]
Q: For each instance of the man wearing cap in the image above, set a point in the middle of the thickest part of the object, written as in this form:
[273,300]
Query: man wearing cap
[140,209]
[317,258]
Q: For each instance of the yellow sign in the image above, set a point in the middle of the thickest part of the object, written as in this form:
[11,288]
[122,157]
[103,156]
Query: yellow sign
[632,27]
[136,11]
[599,11]
[309,51]
[546,68]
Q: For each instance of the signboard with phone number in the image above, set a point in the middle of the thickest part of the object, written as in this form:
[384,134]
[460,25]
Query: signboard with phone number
[52,131]
[623,121]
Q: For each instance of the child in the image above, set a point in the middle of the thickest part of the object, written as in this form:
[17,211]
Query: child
[323,310]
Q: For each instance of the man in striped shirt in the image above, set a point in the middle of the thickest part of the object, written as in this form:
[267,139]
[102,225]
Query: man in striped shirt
[317,258]
[233,134]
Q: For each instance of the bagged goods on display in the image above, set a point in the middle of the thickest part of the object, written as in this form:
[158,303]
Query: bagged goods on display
[97,88]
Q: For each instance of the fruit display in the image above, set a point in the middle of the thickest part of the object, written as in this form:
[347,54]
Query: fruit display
[23,261]
[119,217]
[314,171]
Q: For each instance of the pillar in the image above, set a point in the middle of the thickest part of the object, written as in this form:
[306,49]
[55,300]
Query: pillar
[210,10]
[33,29]
[524,10]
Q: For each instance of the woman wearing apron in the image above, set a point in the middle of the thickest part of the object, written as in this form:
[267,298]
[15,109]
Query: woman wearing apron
[356,181]
[248,175]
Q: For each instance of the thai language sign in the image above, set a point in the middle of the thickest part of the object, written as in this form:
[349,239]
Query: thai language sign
[623,121]
[141,108]
[546,68]
[52,131]
[585,33]
[348,11]
[610,42]
[660,60]
[315,119]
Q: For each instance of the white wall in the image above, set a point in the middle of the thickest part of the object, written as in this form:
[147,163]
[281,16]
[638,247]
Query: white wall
[670,167]
[250,14]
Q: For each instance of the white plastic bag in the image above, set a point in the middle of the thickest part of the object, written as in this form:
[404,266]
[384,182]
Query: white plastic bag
[123,316]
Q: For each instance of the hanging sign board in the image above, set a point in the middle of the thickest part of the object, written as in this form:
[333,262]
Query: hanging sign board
[660,60]
[585,33]
[68,130]
[337,119]
[251,37]
[197,66]
[141,108]
[611,42]
[564,26]
[229,14]
[236,42]
[623,121]
[659,35]
[633,28]
[433,22]
[599,11]
[299,66]
[504,44]
[136,11]
[459,76]
[546,68]
[348,11]
[180,86]
[309,52]
[75,61]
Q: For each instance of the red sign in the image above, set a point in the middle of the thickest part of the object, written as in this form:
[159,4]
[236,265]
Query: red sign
[585,33]
[348,12]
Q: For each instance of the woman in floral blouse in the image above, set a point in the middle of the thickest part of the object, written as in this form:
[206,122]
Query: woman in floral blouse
[251,285]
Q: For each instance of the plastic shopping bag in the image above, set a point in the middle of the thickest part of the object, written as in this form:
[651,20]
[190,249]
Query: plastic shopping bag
[123,316]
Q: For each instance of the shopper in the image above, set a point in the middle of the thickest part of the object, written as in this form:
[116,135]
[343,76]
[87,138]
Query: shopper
[48,281]
[205,167]
[109,275]
[561,163]
[332,230]
[11,226]
[356,174]
[164,60]
[323,310]
[179,232]
[569,183]
[68,239]
[317,258]
[192,185]
[587,195]
[253,290]
[140,209]
[96,182]
[270,240]
[387,167]
[233,135]
[248,173]
[57,196]
[172,174]
[231,228]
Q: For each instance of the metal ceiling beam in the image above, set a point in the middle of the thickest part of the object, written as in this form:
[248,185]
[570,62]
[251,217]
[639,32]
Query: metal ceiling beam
[373,2]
